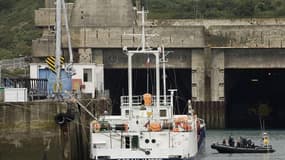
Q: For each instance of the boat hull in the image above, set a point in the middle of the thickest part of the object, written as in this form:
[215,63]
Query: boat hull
[202,139]
[228,149]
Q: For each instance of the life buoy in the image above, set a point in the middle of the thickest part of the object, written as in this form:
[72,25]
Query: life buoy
[175,129]
[182,122]
[96,127]
[154,126]
[187,127]
[147,99]
[60,119]
[126,126]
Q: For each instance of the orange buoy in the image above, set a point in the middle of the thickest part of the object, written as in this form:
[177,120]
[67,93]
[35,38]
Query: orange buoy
[96,126]
[187,127]
[175,129]
[181,119]
[126,126]
[147,99]
[154,126]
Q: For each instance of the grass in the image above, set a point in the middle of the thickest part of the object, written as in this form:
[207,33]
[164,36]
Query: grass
[17,29]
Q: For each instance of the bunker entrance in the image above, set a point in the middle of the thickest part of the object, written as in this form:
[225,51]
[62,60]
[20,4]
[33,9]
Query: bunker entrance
[254,94]
[116,80]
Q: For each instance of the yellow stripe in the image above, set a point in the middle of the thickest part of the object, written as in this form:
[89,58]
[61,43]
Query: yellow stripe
[51,64]
[52,69]
[52,57]
[61,60]
[50,61]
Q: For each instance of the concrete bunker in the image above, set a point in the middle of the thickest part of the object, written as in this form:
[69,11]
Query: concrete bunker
[251,94]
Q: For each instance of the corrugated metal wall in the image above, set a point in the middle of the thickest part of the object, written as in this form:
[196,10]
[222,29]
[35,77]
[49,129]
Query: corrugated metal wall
[213,112]
[51,77]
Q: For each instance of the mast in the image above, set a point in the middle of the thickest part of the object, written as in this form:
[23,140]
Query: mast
[143,50]
[58,52]
[68,68]
[164,76]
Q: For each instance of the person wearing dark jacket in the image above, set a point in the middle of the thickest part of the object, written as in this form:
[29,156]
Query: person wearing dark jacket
[231,141]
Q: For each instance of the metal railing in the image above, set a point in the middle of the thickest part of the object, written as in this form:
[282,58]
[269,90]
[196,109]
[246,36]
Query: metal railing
[138,100]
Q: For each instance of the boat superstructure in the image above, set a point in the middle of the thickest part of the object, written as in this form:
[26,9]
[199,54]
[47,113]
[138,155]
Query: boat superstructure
[147,127]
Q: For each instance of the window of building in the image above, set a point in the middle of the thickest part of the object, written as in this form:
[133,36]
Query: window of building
[87,75]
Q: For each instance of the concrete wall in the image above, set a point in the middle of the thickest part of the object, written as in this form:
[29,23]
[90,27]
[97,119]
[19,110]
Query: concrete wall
[28,130]
[114,58]
[102,13]
[254,58]
[217,75]
[43,47]
[214,22]
[46,16]
[116,37]
[198,75]
[252,36]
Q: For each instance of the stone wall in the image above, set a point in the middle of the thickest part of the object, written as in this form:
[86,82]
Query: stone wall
[102,13]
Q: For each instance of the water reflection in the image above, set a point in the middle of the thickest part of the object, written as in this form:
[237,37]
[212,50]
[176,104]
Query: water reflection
[277,140]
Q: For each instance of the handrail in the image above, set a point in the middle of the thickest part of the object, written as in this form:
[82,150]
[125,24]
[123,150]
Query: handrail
[138,100]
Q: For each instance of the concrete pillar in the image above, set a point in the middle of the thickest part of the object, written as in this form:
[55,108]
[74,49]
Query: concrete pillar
[85,55]
[97,56]
[198,75]
[217,75]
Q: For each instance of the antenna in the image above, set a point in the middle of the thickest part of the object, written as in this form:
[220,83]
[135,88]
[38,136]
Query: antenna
[163,61]
[143,50]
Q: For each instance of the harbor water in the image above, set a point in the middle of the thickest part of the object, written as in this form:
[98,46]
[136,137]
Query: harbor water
[277,140]
[48,148]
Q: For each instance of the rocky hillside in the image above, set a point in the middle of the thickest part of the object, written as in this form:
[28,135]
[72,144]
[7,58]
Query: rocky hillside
[216,8]
[17,27]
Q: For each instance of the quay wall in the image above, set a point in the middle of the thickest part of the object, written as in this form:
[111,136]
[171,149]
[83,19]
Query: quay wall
[29,130]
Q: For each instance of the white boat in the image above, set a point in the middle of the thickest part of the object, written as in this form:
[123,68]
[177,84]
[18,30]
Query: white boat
[147,127]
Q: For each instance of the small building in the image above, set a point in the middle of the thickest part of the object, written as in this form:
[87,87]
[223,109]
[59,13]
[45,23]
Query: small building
[88,78]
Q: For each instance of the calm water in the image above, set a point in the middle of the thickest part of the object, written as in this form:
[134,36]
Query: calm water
[277,140]
[34,149]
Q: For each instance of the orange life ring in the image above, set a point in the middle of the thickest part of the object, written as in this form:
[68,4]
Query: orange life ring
[147,99]
[184,125]
[126,126]
[187,127]
[154,126]
[96,127]
[175,129]
[181,119]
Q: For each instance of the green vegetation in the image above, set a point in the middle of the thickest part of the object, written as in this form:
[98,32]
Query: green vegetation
[17,27]
[215,8]
[13,73]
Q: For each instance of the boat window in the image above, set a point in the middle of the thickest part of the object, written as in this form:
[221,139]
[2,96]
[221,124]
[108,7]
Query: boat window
[127,140]
[135,142]
[163,113]
[127,112]
[146,141]
[87,75]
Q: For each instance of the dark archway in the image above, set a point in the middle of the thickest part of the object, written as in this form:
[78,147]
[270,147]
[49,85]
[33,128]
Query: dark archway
[254,93]
[116,80]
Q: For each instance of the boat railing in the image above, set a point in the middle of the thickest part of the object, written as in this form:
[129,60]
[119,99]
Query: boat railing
[138,100]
